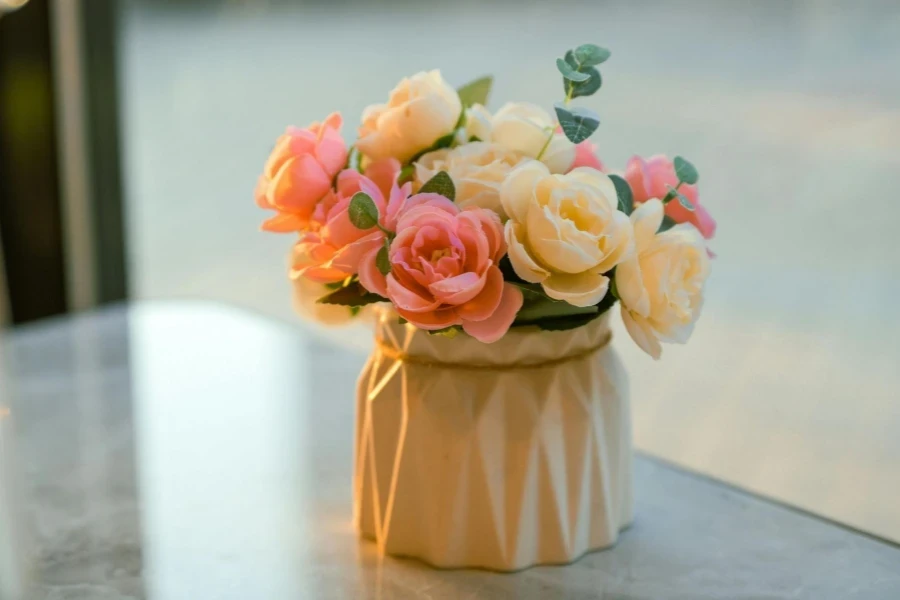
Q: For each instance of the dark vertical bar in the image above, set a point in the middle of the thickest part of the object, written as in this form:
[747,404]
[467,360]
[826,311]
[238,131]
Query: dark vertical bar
[29,189]
[100,22]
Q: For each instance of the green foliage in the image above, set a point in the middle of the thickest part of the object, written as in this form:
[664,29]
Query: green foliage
[439,144]
[585,87]
[685,171]
[440,184]
[353,294]
[577,123]
[667,224]
[623,191]
[683,200]
[362,212]
[475,92]
[447,332]
[570,73]
[590,55]
[407,173]
[382,260]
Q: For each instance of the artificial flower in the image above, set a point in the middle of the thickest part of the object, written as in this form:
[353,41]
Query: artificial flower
[652,178]
[421,110]
[299,173]
[565,231]
[477,170]
[444,269]
[525,129]
[661,284]
[330,250]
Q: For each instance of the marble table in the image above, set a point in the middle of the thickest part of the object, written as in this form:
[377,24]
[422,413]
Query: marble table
[195,451]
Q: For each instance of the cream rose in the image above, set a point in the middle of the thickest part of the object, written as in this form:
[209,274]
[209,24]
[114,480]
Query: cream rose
[522,128]
[420,110]
[477,170]
[565,231]
[661,283]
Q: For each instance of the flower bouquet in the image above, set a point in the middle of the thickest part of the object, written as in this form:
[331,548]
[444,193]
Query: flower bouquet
[493,426]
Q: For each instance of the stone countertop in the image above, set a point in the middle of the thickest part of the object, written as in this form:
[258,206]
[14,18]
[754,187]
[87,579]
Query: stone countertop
[191,450]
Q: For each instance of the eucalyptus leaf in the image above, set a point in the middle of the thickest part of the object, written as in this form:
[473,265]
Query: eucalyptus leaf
[569,73]
[577,123]
[362,211]
[440,184]
[685,171]
[352,295]
[589,55]
[623,191]
[667,224]
[590,87]
[475,92]
[382,260]
[682,199]
[448,332]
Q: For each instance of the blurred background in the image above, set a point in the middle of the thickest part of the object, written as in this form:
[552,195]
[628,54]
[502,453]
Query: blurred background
[132,133]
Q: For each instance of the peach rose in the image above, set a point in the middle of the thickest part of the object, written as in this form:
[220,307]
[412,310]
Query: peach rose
[650,178]
[420,110]
[444,269]
[299,173]
[477,170]
[330,250]
[565,231]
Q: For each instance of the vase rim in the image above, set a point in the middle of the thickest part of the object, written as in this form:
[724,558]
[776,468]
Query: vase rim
[521,347]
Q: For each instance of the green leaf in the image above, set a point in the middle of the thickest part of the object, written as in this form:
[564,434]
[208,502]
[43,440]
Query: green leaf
[569,73]
[440,184]
[442,142]
[362,212]
[623,191]
[382,260]
[567,323]
[667,224]
[685,171]
[589,55]
[577,123]
[587,88]
[682,199]
[407,173]
[475,92]
[352,295]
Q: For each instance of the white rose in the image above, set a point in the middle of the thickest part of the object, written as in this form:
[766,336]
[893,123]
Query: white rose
[524,128]
[421,110]
[477,170]
[565,231]
[661,283]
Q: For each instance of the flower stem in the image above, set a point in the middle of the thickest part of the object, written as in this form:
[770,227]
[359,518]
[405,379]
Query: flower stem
[546,144]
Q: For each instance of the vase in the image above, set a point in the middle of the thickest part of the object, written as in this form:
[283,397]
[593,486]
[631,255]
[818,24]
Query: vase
[496,456]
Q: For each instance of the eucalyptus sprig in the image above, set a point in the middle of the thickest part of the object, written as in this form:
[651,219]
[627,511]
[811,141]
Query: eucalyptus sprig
[581,78]
[686,174]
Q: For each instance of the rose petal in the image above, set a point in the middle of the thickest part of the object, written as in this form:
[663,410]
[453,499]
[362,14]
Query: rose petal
[494,327]
[523,264]
[431,321]
[485,303]
[583,289]
[641,333]
[517,192]
[369,276]
[459,289]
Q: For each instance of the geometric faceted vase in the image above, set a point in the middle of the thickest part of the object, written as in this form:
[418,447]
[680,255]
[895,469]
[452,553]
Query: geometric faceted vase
[497,456]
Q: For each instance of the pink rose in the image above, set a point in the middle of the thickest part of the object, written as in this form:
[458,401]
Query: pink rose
[586,156]
[649,179]
[444,269]
[331,248]
[299,173]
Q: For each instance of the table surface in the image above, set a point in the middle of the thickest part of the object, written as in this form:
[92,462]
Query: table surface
[193,450]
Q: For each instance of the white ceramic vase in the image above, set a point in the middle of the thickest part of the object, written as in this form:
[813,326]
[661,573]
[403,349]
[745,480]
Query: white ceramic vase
[499,456]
